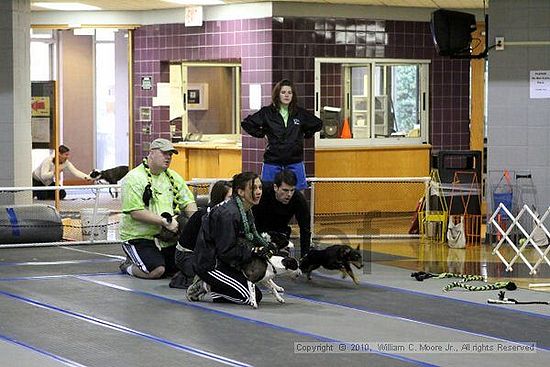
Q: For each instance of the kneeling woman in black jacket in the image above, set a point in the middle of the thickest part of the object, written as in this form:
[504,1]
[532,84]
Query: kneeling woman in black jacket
[221,191]
[227,241]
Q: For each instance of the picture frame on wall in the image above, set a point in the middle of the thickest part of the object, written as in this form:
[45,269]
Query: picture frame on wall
[43,114]
[197,96]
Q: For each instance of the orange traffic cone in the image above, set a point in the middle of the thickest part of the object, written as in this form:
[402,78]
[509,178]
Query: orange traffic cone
[346,132]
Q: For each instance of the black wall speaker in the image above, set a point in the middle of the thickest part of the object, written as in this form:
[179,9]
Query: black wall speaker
[331,123]
[452,32]
[331,128]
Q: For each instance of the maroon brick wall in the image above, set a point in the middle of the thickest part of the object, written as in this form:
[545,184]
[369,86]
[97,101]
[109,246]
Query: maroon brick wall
[297,41]
[270,49]
[245,41]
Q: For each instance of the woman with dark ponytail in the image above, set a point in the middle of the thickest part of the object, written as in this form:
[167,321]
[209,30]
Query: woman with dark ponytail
[220,192]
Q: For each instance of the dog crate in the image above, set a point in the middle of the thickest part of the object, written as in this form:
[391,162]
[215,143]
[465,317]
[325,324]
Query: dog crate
[463,166]
[465,195]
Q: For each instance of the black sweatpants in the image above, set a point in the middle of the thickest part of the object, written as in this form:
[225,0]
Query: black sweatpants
[229,284]
[47,194]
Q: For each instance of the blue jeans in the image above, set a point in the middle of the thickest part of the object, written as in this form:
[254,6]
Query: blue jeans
[269,171]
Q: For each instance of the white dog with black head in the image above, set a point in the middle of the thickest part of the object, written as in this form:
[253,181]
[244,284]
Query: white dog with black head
[262,271]
[279,266]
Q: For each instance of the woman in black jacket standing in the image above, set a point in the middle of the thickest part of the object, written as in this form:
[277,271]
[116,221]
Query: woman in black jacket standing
[285,125]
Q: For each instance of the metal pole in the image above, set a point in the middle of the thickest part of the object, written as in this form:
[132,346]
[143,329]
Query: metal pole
[312,210]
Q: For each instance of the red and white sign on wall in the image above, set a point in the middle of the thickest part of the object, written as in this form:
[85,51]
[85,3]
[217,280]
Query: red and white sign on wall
[193,16]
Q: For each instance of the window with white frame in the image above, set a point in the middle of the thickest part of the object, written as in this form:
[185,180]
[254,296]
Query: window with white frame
[42,61]
[111,97]
[372,101]
[42,54]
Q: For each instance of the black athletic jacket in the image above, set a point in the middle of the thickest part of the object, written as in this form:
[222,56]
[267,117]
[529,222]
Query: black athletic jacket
[221,238]
[190,232]
[285,145]
[272,215]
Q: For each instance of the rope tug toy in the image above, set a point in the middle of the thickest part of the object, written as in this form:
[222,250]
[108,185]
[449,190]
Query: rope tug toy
[421,275]
[503,300]
[511,286]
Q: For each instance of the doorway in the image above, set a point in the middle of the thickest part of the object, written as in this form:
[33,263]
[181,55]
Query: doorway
[90,66]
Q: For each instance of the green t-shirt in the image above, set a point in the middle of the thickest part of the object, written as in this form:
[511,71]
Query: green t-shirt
[133,187]
[283,110]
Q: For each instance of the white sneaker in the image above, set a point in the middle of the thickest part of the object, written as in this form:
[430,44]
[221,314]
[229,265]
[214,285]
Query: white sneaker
[252,289]
[196,290]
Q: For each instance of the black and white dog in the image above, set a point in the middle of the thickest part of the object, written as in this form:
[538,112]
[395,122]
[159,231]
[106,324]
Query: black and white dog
[168,236]
[276,266]
[110,176]
[263,271]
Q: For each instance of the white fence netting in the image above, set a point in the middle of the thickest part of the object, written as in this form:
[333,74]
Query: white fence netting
[340,208]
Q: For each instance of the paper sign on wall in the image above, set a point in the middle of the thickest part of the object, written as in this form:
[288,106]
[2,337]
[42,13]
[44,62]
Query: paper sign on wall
[193,16]
[539,84]
[176,92]
[163,95]
[40,106]
[145,113]
[40,129]
[146,83]
[255,96]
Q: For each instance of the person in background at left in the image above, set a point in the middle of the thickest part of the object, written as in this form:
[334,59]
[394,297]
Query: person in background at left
[148,191]
[285,125]
[220,192]
[44,175]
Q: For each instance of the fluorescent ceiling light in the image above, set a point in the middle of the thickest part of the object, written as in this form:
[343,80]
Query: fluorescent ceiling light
[41,33]
[84,31]
[66,6]
[195,2]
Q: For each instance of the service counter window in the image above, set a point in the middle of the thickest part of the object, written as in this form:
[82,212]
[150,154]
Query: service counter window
[207,106]
[366,102]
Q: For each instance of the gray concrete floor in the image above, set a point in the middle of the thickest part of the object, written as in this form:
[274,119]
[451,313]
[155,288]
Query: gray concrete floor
[69,306]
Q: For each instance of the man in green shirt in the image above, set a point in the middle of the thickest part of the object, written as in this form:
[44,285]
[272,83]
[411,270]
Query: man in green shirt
[149,190]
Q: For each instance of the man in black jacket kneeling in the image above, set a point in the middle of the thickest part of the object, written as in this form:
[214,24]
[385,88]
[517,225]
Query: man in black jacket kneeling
[279,203]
